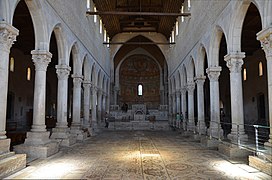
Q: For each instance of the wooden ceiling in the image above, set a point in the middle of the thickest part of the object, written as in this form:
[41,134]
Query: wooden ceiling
[139,23]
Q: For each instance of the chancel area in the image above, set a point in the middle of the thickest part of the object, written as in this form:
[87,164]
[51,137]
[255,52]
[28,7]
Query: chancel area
[135,89]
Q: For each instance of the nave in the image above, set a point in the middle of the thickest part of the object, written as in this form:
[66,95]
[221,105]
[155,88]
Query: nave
[138,155]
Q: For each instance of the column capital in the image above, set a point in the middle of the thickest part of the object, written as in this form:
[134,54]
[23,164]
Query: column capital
[116,88]
[183,90]
[200,80]
[235,61]
[77,80]
[41,59]
[8,35]
[213,73]
[87,84]
[63,71]
[178,93]
[190,87]
[265,37]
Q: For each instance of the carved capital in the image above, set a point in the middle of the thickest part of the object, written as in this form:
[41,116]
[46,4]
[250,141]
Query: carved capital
[183,90]
[213,73]
[8,35]
[77,80]
[178,93]
[63,71]
[200,80]
[87,84]
[265,37]
[235,61]
[190,88]
[41,59]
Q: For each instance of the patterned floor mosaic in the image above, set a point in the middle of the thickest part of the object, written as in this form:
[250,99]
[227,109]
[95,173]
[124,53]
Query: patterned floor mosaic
[134,155]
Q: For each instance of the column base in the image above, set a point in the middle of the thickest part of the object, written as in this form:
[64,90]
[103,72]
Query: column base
[209,143]
[78,133]
[233,151]
[11,163]
[262,165]
[4,146]
[191,126]
[234,139]
[63,136]
[215,133]
[202,128]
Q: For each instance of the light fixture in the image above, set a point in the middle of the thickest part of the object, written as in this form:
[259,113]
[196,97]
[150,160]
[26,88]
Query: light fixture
[11,64]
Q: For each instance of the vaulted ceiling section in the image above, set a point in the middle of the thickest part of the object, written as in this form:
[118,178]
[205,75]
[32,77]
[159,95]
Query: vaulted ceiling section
[136,22]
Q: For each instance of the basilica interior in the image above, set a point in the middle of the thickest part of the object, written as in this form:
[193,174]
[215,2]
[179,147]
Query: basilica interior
[135,89]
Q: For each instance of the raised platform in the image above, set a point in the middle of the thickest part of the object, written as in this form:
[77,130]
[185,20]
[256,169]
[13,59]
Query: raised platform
[260,164]
[139,125]
[11,163]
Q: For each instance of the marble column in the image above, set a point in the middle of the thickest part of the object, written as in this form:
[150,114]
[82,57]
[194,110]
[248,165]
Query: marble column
[7,36]
[86,119]
[162,97]
[170,110]
[191,107]
[174,103]
[265,37]
[63,72]
[38,134]
[94,118]
[99,106]
[116,91]
[200,104]
[76,129]
[183,106]
[234,63]
[77,80]
[213,74]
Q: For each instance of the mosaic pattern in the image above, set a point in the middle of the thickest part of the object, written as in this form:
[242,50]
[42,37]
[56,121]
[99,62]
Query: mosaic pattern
[137,155]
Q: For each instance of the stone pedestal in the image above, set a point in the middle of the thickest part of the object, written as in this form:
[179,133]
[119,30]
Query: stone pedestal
[11,163]
[232,151]
[78,133]
[63,136]
[209,143]
[38,145]
[260,164]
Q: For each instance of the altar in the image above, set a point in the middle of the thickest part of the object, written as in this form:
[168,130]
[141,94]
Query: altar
[139,112]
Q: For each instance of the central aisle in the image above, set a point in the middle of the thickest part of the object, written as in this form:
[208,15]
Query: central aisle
[137,155]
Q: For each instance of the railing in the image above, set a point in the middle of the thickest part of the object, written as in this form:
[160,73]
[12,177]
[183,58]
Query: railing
[248,136]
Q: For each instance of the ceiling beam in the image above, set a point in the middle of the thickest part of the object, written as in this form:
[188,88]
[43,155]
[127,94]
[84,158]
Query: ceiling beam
[119,13]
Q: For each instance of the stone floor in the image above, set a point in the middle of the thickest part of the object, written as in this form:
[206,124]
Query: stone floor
[137,155]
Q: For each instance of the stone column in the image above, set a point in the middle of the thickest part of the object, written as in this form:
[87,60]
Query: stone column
[86,119]
[41,60]
[162,97]
[170,110]
[7,36]
[234,63]
[116,91]
[99,106]
[178,101]
[183,106]
[63,72]
[94,118]
[213,74]
[77,80]
[76,124]
[200,104]
[265,37]
[174,103]
[191,107]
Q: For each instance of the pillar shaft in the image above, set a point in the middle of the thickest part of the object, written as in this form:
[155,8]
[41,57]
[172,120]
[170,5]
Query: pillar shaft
[191,108]
[234,63]
[77,80]
[265,37]
[41,60]
[63,72]
[7,36]
[94,99]
[213,74]
[87,87]
[200,104]
[183,106]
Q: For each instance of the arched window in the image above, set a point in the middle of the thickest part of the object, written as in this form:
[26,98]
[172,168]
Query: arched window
[182,11]
[177,28]
[189,5]
[11,64]
[28,75]
[244,74]
[260,69]
[140,89]
[100,26]
[95,16]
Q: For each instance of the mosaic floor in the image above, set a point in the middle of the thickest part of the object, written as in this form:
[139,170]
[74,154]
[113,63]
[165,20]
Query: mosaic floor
[137,155]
